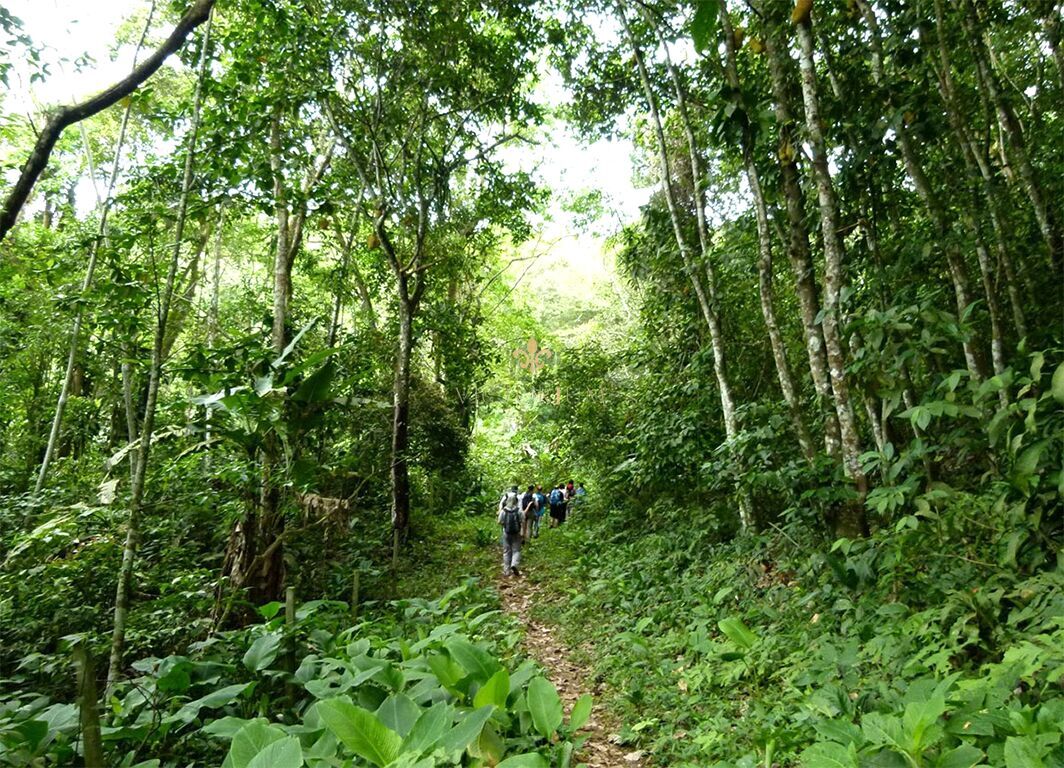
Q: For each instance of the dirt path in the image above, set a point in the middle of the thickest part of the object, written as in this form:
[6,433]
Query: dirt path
[542,644]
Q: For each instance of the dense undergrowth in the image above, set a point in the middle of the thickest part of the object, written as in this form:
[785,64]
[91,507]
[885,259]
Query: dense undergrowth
[937,642]
[410,682]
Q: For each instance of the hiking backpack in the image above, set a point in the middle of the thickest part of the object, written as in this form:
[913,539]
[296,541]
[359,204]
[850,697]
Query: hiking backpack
[511,516]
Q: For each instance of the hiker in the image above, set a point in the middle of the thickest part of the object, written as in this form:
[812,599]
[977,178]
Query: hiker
[541,509]
[528,512]
[557,506]
[510,521]
[579,496]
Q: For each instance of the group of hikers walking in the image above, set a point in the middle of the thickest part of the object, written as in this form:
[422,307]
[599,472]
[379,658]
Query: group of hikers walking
[520,515]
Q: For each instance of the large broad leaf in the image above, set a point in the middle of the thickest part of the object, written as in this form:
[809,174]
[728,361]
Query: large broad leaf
[1026,466]
[737,632]
[283,753]
[580,713]
[704,23]
[829,755]
[476,661]
[315,388]
[467,731]
[530,760]
[495,691]
[429,728]
[545,706]
[262,652]
[399,713]
[447,671]
[920,719]
[1024,752]
[249,741]
[964,756]
[360,731]
[1057,384]
[212,700]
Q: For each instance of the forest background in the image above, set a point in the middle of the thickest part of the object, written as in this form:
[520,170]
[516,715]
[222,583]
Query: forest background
[781,283]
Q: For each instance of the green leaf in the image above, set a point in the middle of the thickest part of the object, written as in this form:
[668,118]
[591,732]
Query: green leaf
[360,731]
[580,713]
[883,730]
[428,729]
[495,691]
[919,720]
[399,712]
[250,740]
[737,632]
[475,661]
[1026,465]
[1023,752]
[262,652]
[704,23]
[545,706]
[467,731]
[1057,385]
[283,753]
[529,760]
[964,756]
[212,700]
[827,754]
[315,388]
[224,728]
[447,671]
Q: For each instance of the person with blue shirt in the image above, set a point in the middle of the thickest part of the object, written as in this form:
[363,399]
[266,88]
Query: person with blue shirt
[541,509]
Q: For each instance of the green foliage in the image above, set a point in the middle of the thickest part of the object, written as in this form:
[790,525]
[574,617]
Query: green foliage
[906,649]
[406,686]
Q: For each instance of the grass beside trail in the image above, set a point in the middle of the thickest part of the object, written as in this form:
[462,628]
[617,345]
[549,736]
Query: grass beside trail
[445,550]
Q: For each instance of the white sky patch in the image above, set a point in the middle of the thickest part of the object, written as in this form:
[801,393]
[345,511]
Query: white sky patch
[69,29]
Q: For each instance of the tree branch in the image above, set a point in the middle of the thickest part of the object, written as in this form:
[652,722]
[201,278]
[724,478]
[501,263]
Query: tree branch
[63,117]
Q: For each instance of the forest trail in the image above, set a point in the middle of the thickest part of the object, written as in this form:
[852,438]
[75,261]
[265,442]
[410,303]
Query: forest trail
[543,644]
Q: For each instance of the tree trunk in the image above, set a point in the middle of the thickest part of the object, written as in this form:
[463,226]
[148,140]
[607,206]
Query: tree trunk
[400,473]
[798,247]
[978,166]
[852,521]
[86,283]
[1010,127]
[129,551]
[63,117]
[1051,25]
[706,295]
[957,269]
[764,262]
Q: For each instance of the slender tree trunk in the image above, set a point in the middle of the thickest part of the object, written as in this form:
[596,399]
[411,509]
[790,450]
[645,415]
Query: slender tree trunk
[853,521]
[1010,127]
[281,275]
[979,167]
[706,294]
[400,472]
[129,551]
[86,283]
[1051,26]
[212,319]
[348,266]
[764,261]
[957,269]
[129,406]
[798,247]
[63,117]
